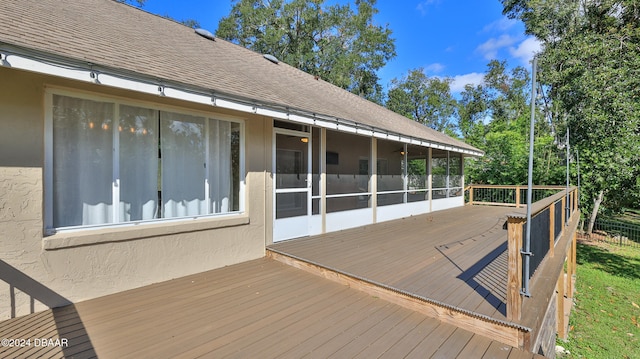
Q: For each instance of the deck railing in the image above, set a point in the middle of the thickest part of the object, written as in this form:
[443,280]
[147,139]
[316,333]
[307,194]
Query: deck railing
[513,196]
[553,208]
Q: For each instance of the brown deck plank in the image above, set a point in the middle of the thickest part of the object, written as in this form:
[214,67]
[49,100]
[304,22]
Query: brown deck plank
[395,334]
[422,255]
[408,342]
[476,347]
[427,347]
[498,351]
[260,308]
[453,345]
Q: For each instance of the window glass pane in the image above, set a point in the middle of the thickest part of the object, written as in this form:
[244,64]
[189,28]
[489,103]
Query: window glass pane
[139,177]
[390,167]
[224,166]
[348,166]
[83,162]
[182,150]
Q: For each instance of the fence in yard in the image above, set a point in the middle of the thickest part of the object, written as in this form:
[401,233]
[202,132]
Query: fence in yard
[616,232]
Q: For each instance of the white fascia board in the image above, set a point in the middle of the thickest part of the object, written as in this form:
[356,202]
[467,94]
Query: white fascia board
[301,119]
[272,113]
[233,105]
[326,124]
[186,96]
[346,128]
[404,139]
[24,63]
[114,81]
[382,135]
[364,132]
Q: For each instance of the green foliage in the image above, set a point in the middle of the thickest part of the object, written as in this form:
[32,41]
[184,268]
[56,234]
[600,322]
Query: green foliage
[606,320]
[338,43]
[424,99]
[590,63]
[495,117]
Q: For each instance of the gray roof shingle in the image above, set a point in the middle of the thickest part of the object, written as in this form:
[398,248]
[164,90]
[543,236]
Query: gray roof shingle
[118,36]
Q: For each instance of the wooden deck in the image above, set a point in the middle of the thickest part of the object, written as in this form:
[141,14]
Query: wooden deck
[257,309]
[457,256]
[454,261]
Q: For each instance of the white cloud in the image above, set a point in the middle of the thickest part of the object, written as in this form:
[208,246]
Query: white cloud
[489,49]
[501,25]
[525,50]
[434,68]
[460,81]
[422,6]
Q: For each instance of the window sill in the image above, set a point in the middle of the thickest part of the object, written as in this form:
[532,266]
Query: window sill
[139,231]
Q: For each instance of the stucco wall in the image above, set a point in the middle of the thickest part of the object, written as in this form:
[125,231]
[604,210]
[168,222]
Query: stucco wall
[38,272]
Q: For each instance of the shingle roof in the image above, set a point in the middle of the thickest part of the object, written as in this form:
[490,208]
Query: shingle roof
[118,36]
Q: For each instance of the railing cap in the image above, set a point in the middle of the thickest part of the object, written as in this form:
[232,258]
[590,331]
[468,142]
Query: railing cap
[540,205]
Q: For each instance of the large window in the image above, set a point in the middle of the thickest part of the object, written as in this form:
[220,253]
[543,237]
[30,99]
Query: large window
[120,163]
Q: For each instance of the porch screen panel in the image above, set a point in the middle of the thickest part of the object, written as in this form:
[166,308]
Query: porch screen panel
[455,175]
[223,170]
[139,177]
[439,168]
[183,148]
[83,161]
[348,171]
[390,170]
[417,173]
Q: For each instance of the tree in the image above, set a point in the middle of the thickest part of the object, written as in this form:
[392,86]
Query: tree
[494,117]
[337,43]
[424,99]
[590,62]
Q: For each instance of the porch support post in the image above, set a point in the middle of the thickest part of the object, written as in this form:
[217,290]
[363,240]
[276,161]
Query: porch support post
[323,178]
[373,180]
[552,224]
[514,271]
[429,179]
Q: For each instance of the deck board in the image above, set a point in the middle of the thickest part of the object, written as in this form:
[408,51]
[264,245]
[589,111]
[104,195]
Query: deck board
[260,308]
[456,256]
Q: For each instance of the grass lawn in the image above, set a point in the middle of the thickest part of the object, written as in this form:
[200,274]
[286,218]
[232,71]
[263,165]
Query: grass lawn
[605,322]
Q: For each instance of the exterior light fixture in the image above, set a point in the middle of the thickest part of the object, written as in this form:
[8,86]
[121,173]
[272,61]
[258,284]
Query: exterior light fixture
[304,140]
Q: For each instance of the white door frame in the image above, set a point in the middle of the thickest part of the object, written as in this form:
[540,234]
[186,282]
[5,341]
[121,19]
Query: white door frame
[298,226]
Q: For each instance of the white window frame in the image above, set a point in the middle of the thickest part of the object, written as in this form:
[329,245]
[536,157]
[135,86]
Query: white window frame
[49,160]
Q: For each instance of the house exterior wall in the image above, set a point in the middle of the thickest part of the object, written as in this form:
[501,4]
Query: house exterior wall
[47,271]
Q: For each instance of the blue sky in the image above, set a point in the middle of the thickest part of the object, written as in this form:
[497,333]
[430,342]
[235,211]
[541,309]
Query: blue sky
[448,38]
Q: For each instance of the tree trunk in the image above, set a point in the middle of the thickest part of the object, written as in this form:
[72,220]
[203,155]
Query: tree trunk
[594,213]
